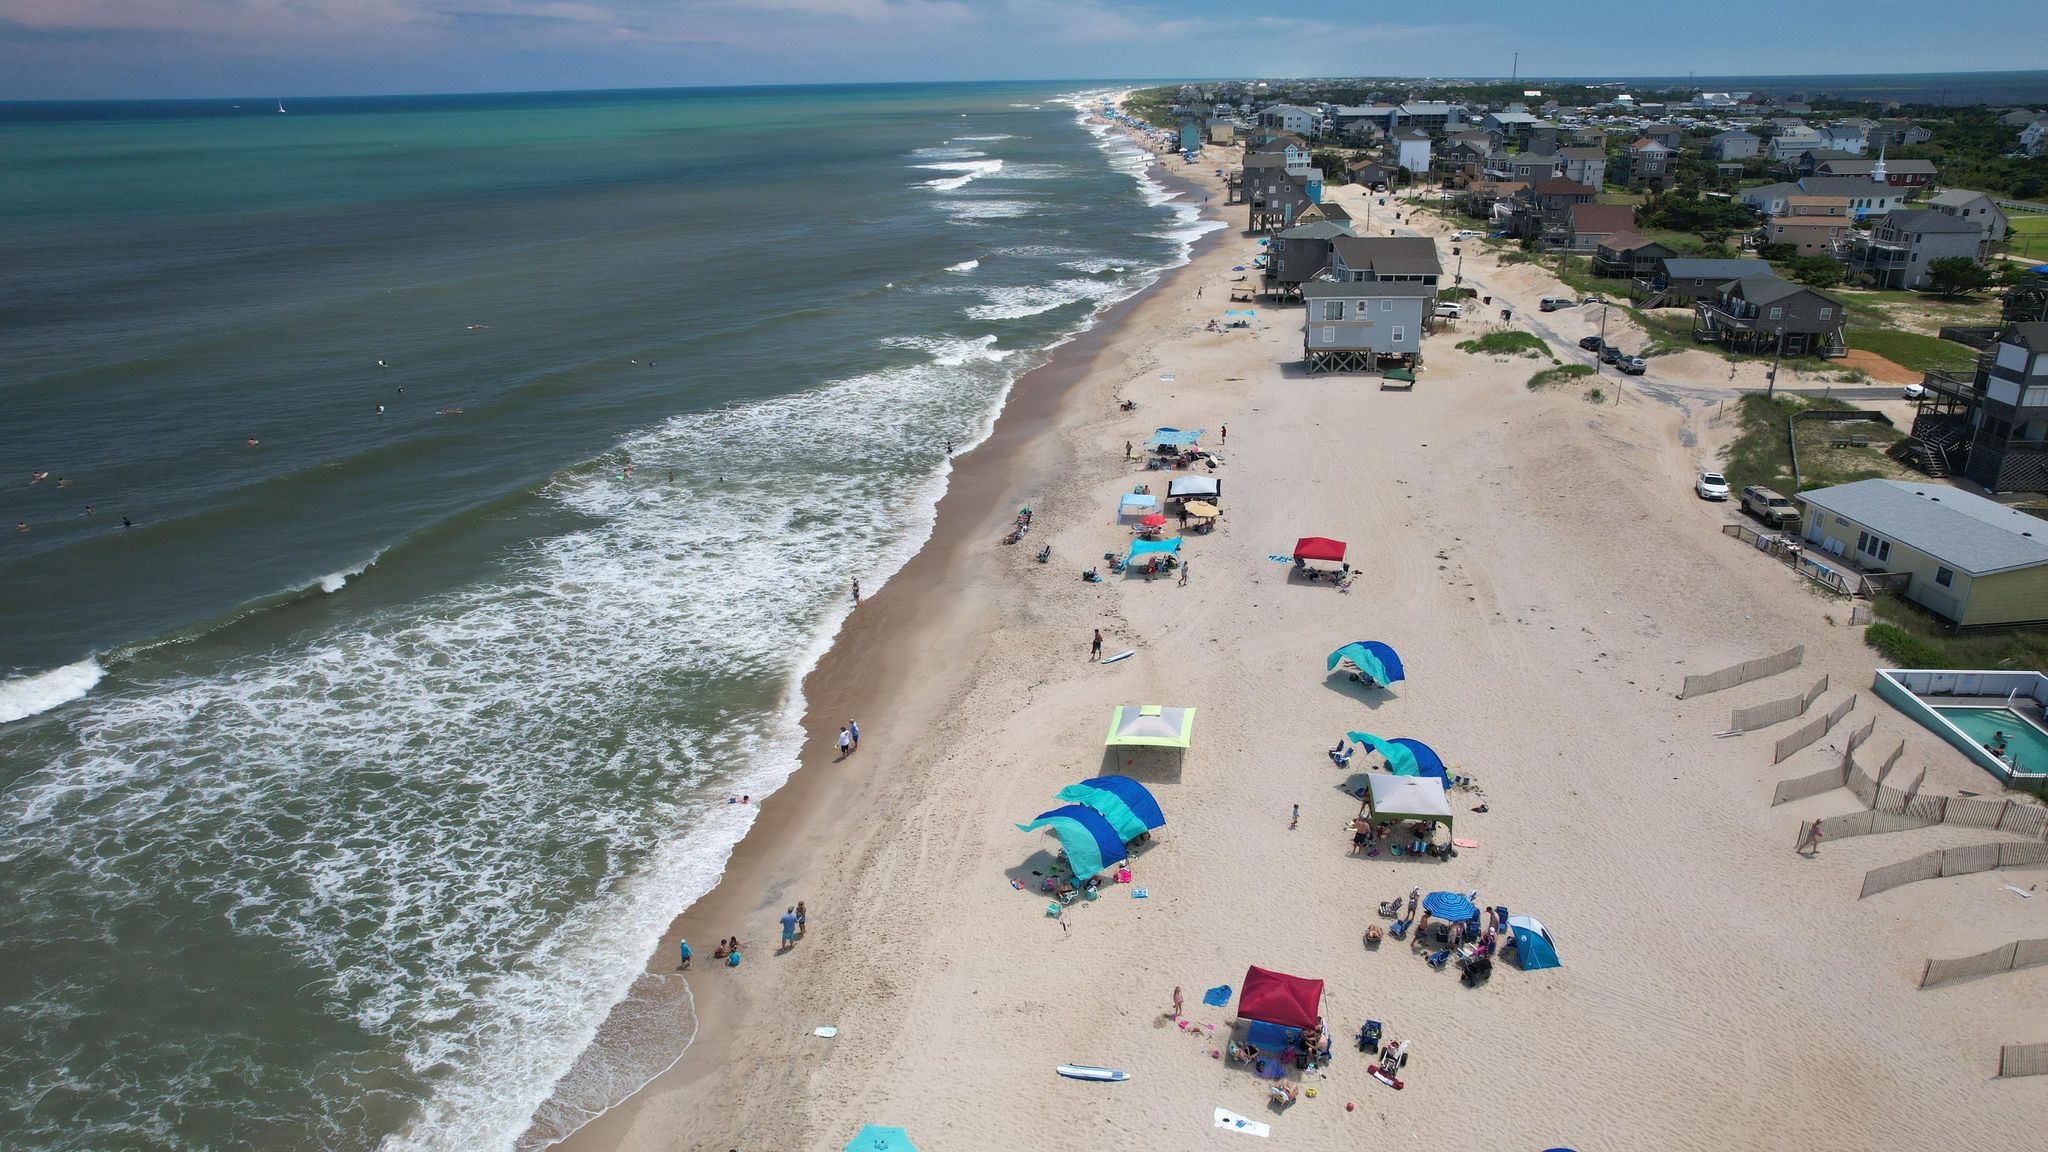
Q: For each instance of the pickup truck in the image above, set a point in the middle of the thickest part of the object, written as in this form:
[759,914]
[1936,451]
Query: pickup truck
[1768,506]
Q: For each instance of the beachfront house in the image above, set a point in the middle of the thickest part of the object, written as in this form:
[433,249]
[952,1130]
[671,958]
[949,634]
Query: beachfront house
[1369,310]
[1993,426]
[1288,118]
[1298,255]
[1971,561]
[1759,315]
[1899,246]
[1978,209]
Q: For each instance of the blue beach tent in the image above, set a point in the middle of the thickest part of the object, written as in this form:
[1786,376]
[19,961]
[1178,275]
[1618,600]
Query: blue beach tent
[1146,547]
[1372,658]
[1089,840]
[1405,757]
[1533,946]
[1107,805]
[876,1138]
[1135,795]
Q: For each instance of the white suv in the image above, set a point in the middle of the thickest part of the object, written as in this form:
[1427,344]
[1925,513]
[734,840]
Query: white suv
[1711,486]
[1450,308]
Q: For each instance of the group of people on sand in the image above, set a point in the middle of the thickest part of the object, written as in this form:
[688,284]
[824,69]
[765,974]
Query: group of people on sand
[794,923]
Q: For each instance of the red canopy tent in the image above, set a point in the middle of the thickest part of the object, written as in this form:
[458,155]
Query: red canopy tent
[1277,998]
[1318,548]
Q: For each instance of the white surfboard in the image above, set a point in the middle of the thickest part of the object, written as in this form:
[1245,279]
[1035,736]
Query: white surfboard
[1120,656]
[1231,1120]
[1090,1072]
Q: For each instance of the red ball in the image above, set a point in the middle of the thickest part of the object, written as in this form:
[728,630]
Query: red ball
[1348,1105]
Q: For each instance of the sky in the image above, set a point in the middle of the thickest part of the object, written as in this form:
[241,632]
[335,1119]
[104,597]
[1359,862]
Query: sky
[110,49]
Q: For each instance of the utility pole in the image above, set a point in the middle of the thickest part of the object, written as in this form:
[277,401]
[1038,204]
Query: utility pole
[1598,356]
[1771,389]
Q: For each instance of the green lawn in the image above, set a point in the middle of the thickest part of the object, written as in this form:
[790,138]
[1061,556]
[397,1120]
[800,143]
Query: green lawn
[1758,454]
[1912,350]
[2027,224]
[1914,638]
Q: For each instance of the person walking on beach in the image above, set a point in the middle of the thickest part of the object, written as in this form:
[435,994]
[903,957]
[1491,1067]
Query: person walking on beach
[856,591]
[1127,449]
[789,929]
[1176,1001]
[1810,846]
[802,919]
[853,730]
[1226,434]
[1295,822]
[845,744]
[683,946]
[1095,646]
[1184,573]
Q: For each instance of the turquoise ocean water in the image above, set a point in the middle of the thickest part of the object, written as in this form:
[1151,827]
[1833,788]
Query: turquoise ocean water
[344,794]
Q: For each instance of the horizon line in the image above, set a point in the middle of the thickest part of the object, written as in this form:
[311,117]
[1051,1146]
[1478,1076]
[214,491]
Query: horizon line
[1580,80]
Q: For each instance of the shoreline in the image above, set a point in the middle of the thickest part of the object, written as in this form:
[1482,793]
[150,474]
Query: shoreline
[868,662]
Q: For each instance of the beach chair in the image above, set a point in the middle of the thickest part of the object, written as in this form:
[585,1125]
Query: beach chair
[1399,929]
[1438,959]
[1369,1036]
[1053,909]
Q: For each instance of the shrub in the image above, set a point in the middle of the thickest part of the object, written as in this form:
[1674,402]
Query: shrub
[1902,648]
[1505,343]
[1561,374]
[1595,395]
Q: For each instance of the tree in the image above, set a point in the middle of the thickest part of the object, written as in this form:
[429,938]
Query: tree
[1778,253]
[1331,163]
[1815,271]
[1957,276]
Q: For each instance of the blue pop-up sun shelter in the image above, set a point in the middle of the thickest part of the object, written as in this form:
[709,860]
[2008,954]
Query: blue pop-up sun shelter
[1174,437]
[880,1138]
[1091,843]
[1371,658]
[1405,757]
[1533,946]
[1144,547]
[1122,801]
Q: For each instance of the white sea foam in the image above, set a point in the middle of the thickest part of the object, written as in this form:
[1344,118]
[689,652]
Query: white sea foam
[1016,302]
[943,152]
[1095,265]
[964,266]
[991,136]
[949,353]
[969,170]
[25,696]
[968,211]
[334,581]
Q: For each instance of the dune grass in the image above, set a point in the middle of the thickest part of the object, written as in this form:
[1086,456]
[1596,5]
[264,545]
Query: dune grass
[1507,343]
[1561,374]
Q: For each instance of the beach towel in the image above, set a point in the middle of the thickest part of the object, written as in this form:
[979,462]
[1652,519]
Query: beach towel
[1218,996]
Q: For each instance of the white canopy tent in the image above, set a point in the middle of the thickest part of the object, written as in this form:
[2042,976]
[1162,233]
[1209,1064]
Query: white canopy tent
[1137,504]
[1408,798]
[1195,488]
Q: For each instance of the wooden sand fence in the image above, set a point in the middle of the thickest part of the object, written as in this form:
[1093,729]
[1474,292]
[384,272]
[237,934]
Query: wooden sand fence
[2004,958]
[1955,862]
[1743,673]
[1827,779]
[1810,731]
[2023,1059]
[1889,809]
[1775,711]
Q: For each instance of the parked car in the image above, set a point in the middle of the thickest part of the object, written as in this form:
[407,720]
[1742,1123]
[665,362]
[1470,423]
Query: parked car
[1464,234]
[1711,486]
[1768,506]
[1556,303]
[1915,391]
[1590,343]
[1450,308]
[1634,365]
[1609,354]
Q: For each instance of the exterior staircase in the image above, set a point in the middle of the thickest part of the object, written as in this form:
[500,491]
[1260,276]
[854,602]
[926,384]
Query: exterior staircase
[1935,447]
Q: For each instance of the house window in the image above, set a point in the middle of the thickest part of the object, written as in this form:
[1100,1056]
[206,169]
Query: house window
[1826,312]
[1329,333]
[1777,313]
[1943,576]
[1386,305]
[1333,309]
[1399,332]
[1874,546]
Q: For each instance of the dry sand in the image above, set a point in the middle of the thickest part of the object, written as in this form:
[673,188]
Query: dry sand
[1544,570]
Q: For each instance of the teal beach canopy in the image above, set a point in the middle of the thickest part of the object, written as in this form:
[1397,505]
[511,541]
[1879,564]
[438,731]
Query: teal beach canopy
[1088,840]
[1108,805]
[1372,658]
[1144,547]
[1405,757]
[876,1138]
[1174,437]
[1135,796]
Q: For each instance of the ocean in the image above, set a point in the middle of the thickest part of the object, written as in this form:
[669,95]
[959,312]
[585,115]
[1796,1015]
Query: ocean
[471,481]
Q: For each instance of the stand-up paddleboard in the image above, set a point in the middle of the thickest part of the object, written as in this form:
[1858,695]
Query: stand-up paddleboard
[1225,1118]
[1090,1072]
[1125,655]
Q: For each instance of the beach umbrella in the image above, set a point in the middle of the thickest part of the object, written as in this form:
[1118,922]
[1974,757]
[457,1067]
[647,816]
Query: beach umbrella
[1449,906]
[1277,998]
[1151,725]
[1135,796]
[876,1138]
[1202,508]
[1153,520]
[1405,757]
[1089,840]
[1533,945]
[1372,658]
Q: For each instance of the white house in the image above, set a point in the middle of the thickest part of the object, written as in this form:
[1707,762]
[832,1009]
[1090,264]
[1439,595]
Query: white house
[1734,144]
[1290,118]
[1975,207]
[1414,151]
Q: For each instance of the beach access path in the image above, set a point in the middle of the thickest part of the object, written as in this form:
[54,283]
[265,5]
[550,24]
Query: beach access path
[1544,570]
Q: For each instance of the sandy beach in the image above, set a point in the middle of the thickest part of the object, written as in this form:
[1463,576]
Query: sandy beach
[1542,566]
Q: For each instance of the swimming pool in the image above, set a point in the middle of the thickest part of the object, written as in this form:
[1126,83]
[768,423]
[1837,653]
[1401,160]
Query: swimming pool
[2025,745]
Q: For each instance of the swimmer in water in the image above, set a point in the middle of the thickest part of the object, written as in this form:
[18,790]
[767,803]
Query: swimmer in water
[252,441]
[382,364]
[380,409]
[127,523]
[21,525]
[38,477]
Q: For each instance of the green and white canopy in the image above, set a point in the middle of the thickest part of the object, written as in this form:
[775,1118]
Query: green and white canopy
[1151,725]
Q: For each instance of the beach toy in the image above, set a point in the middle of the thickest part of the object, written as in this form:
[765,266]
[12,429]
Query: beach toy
[1311,1093]
[1349,1105]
